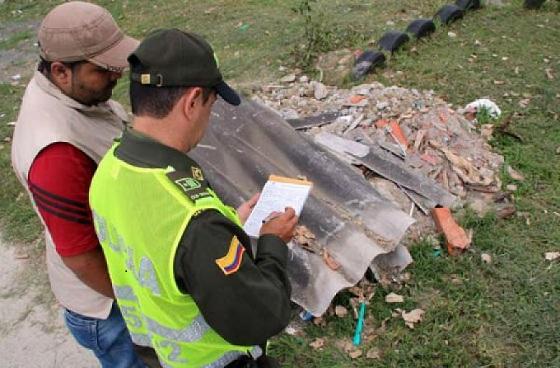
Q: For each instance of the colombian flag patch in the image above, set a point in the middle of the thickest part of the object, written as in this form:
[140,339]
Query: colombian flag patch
[232,260]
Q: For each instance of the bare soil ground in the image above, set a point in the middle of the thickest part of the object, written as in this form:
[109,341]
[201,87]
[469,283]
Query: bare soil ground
[32,331]
[21,59]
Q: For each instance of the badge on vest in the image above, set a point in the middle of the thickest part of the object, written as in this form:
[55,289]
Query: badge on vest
[188,184]
[197,173]
[231,262]
[194,187]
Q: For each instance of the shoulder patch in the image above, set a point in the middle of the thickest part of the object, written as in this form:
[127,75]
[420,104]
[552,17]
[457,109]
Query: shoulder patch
[231,262]
[192,184]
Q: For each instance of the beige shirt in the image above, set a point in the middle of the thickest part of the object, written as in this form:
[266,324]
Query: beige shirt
[48,116]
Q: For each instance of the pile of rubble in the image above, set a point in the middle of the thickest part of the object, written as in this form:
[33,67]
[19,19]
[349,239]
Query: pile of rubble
[417,128]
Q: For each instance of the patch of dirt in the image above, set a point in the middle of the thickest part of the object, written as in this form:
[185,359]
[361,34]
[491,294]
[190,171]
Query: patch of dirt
[21,59]
[32,331]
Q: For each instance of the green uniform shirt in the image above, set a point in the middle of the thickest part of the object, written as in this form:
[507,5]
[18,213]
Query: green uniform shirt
[245,307]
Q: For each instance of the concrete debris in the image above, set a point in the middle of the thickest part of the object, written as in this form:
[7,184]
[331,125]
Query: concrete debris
[341,145]
[414,128]
[320,91]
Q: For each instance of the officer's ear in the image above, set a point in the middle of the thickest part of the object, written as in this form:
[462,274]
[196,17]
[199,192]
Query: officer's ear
[191,101]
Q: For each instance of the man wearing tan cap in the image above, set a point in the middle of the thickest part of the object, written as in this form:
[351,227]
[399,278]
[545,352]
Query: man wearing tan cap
[65,125]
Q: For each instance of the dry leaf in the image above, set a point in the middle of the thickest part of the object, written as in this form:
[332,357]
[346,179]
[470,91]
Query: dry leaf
[210,10]
[511,187]
[319,321]
[344,344]
[318,343]
[514,174]
[551,256]
[412,317]
[394,298]
[340,311]
[524,102]
[356,353]
[373,354]
[499,82]
[549,75]
[486,258]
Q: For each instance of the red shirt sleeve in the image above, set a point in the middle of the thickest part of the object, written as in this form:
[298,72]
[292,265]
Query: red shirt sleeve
[59,180]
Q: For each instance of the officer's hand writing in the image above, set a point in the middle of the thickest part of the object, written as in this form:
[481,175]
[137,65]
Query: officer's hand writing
[246,208]
[282,225]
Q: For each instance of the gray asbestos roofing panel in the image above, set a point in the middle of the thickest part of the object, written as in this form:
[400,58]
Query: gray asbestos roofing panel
[246,144]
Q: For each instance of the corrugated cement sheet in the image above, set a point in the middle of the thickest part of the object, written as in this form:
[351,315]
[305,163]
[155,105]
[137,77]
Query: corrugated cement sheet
[358,227]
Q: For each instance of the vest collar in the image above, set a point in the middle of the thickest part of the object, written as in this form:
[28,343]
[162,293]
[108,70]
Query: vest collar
[140,150]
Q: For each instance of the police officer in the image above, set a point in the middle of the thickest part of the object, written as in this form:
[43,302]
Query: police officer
[182,269]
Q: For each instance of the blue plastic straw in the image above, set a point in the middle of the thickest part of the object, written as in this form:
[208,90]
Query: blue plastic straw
[360,325]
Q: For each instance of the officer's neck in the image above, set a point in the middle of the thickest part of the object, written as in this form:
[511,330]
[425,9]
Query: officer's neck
[166,131]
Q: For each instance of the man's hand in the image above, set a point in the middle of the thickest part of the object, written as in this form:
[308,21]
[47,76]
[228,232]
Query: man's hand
[282,225]
[246,208]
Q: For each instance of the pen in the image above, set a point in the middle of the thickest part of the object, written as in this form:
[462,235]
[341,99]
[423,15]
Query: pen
[270,217]
[360,325]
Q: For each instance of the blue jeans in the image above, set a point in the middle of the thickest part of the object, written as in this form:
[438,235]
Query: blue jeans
[107,338]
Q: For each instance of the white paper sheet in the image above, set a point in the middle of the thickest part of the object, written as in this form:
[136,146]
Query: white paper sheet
[277,194]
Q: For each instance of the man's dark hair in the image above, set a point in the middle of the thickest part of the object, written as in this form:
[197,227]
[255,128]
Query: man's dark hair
[45,66]
[156,102]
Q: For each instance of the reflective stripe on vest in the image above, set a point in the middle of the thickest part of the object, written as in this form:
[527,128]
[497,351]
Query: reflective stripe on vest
[139,243]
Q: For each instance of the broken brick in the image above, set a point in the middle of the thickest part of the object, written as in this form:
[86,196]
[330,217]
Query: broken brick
[381,123]
[355,99]
[456,237]
[398,135]
[443,117]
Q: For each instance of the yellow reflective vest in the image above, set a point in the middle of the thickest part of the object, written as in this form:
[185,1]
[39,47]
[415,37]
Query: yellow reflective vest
[140,215]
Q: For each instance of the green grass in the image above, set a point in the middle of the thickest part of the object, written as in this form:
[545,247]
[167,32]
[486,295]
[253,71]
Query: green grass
[503,314]
[15,39]
[17,219]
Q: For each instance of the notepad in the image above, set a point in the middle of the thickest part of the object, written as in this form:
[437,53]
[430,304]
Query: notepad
[278,193]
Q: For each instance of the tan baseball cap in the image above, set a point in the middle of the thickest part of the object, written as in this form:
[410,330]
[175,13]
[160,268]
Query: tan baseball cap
[77,31]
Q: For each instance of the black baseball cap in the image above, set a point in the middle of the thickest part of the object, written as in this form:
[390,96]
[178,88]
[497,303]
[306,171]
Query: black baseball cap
[174,58]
